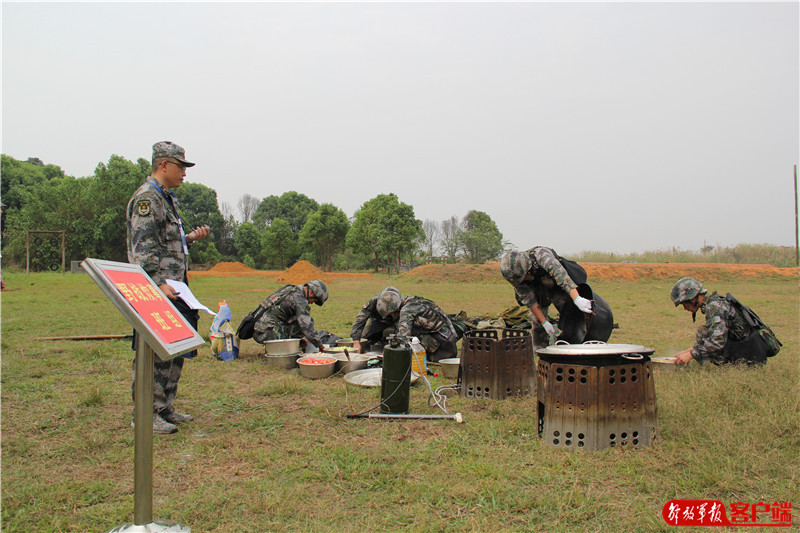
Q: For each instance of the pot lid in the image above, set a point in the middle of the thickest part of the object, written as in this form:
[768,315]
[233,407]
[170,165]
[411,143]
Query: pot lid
[595,349]
[371,377]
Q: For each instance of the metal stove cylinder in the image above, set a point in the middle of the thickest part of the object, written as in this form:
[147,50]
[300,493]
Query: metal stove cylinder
[596,402]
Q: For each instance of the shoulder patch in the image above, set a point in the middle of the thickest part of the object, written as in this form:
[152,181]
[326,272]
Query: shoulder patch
[143,207]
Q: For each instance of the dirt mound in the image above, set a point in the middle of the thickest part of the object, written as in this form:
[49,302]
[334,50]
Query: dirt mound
[490,272]
[674,271]
[231,267]
[301,272]
[486,272]
[303,269]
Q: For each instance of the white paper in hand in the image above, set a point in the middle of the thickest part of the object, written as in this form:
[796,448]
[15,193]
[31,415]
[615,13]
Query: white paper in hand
[186,295]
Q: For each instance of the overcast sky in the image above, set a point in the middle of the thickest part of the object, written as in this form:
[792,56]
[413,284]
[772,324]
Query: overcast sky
[619,127]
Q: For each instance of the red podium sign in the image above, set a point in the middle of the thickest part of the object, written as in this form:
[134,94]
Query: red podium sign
[145,306]
[151,305]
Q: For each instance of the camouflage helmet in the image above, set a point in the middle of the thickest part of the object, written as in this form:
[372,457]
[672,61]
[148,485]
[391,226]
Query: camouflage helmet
[515,265]
[685,289]
[318,289]
[389,301]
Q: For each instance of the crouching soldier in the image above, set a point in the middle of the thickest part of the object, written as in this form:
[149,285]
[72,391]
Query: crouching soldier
[730,333]
[287,314]
[421,318]
[370,325]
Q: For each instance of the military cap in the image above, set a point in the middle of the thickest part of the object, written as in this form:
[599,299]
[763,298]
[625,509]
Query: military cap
[170,149]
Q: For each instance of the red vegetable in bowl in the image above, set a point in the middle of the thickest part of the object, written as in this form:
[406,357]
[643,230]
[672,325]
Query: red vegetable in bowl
[315,361]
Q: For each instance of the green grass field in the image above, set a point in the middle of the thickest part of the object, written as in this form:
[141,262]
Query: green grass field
[270,451]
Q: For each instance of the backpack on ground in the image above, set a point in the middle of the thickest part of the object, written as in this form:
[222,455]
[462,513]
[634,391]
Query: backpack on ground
[248,323]
[770,342]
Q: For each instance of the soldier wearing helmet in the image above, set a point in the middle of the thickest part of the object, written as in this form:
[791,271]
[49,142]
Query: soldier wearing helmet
[688,292]
[373,322]
[316,291]
[287,314]
[724,325]
[539,279]
[421,318]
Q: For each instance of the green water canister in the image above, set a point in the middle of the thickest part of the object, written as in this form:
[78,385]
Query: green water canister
[396,377]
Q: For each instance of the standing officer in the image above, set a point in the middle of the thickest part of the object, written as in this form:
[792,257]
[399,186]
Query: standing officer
[157,242]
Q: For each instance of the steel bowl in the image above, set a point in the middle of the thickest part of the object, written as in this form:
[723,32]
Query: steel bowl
[286,362]
[344,342]
[450,367]
[316,371]
[357,361]
[282,346]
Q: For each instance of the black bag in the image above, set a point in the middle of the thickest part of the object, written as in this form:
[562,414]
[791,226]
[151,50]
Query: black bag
[248,324]
[575,271]
[751,350]
[761,333]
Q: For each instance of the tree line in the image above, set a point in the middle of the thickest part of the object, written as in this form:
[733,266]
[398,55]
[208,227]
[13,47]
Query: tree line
[270,233]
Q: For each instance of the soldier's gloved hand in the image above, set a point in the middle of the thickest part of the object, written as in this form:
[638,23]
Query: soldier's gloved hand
[552,332]
[583,304]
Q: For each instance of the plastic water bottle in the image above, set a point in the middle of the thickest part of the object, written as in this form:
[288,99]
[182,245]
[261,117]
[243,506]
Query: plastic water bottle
[419,362]
[223,315]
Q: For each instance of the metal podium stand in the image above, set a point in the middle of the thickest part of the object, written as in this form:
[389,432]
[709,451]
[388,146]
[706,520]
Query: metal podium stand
[161,331]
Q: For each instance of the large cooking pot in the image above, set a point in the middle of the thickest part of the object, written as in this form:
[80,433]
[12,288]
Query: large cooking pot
[626,351]
[578,327]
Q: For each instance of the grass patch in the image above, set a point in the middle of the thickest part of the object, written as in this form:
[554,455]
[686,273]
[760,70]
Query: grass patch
[269,450]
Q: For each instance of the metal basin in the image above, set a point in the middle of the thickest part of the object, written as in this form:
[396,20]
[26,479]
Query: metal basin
[282,346]
[371,377]
[357,361]
[450,367]
[315,370]
[286,362]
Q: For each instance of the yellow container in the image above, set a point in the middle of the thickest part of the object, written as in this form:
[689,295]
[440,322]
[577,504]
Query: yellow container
[419,363]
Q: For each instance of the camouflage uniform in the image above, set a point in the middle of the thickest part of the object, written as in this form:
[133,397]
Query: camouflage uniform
[368,324]
[154,234]
[286,316]
[421,318]
[723,322]
[155,242]
[550,284]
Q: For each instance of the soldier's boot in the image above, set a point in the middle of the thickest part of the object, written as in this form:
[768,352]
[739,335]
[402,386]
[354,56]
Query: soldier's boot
[174,417]
[161,426]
